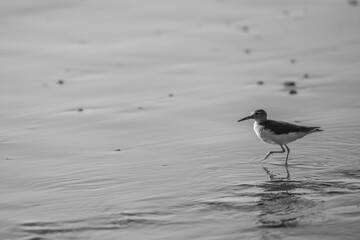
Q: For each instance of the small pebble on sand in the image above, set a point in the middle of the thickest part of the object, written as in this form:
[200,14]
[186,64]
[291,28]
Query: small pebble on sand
[293,61]
[289,84]
[353,2]
[117,150]
[306,75]
[248,51]
[260,82]
[80,109]
[61,82]
[292,92]
[171,95]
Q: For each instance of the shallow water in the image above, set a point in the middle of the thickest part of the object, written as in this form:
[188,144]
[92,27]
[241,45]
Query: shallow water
[141,140]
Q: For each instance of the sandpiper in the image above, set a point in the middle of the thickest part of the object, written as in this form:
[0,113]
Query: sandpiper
[277,132]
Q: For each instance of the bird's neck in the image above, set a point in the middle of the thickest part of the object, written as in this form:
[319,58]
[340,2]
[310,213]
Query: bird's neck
[260,121]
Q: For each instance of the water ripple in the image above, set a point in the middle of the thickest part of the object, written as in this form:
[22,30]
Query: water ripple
[123,220]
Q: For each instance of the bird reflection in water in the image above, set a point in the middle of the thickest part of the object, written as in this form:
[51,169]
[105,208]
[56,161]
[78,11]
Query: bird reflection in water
[273,176]
[280,206]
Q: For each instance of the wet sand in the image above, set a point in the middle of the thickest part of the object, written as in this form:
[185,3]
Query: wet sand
[119,119]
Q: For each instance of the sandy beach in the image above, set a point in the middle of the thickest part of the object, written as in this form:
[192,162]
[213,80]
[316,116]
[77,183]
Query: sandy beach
[119,119]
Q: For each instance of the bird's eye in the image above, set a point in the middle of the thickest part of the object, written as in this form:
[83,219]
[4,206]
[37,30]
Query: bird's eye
[256,113]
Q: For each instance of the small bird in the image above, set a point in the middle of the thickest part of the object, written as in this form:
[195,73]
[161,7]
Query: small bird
[277,132]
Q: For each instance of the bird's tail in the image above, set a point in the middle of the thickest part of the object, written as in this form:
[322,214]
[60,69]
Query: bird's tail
[316,129]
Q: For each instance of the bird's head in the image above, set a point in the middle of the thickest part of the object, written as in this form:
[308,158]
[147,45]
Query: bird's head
[258,115]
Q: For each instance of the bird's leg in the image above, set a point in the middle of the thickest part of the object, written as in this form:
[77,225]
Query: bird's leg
[287,155]
[287,172]
[271,152]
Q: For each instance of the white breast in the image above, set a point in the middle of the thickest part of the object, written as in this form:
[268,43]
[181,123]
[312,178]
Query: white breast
[263,134]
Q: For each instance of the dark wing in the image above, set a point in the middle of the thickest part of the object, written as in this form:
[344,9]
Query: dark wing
[279,127]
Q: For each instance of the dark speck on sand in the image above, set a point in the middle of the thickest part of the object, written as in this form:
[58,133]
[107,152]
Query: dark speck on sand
[353,2]
[245,28]
[248,51]
[289,84]
[292,92]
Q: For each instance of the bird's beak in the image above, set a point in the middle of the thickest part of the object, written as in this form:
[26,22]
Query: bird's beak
[246,118]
